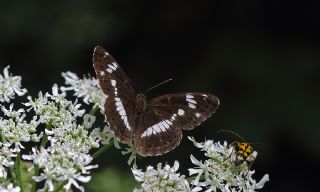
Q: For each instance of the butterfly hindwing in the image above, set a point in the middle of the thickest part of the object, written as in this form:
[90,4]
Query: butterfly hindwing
[160,126]
[120,101]
[187,109]
[156,135]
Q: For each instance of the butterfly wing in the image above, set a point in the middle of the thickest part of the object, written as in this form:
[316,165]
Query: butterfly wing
[160,129]
[188,109]
[156,134]
[120,101]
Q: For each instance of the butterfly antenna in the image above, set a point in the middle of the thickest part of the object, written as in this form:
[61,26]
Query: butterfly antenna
[232,132]
[163,82]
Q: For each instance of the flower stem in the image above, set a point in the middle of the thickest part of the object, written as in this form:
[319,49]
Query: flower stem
[44,141]
[101,150]
[11,169]
[94,110]
[18,171]
[13,176]
[60,186]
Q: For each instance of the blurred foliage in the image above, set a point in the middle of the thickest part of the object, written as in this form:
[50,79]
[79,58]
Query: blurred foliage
[111,179]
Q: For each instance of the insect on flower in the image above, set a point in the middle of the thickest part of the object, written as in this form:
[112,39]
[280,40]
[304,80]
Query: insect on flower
[241,151]
[154,126]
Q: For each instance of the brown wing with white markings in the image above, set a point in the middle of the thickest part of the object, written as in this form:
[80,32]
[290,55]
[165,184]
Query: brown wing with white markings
[120,101]
[189,109]
[159,130]
[156,134]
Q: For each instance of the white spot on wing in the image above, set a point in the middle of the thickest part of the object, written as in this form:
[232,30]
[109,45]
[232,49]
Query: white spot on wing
[198,115]
[109,70]
[181,112]
[113,82]
[191,105]
[169,122]
[191,102]
[173,117]
[166,125]
[102,73]
[156,128]
[112,67]
[149,131]
[189,96]
[162,126]
[122,112]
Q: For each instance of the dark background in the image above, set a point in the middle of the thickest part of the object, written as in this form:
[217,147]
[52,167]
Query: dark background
[261,58]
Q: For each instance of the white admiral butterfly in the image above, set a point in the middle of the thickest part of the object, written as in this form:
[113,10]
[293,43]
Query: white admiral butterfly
[155,127]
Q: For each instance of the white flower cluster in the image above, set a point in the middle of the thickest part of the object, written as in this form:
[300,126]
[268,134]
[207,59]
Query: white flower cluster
[9,188]
[64,129]
[67,158]
[6,155]
[218,173]
[162,179]
[9,86]
[16,129]
[87,88]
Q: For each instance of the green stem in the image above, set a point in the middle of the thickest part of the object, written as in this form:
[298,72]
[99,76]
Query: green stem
[60,186]
[13,176]
[101,150]
[34,184]
[202,177]
[94,110]
[18,171]
[11,169]
[44,141]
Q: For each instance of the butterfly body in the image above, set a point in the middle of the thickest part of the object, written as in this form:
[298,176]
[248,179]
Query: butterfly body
[154,126]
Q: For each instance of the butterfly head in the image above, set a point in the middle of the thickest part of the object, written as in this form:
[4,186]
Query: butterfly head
[141,103]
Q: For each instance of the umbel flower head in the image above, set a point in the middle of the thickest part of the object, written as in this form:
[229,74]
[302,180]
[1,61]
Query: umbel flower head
[9,188]
[87,88]
[162,179]
[9,86]
[219,172]
[66,158]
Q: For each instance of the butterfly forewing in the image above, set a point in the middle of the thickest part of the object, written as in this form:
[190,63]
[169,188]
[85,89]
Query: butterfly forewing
[120,101]
[186,110]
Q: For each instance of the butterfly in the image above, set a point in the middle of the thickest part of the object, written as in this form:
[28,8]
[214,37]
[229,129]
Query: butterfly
[154,126]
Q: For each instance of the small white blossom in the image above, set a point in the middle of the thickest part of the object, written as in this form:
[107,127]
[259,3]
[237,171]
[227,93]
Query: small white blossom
[219,172]
[9,188]
[108,136]
[70,138]
[134,153]
[162,179]
[9,86]
[54,109]
[16,129]
[87,88]
[6,155]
